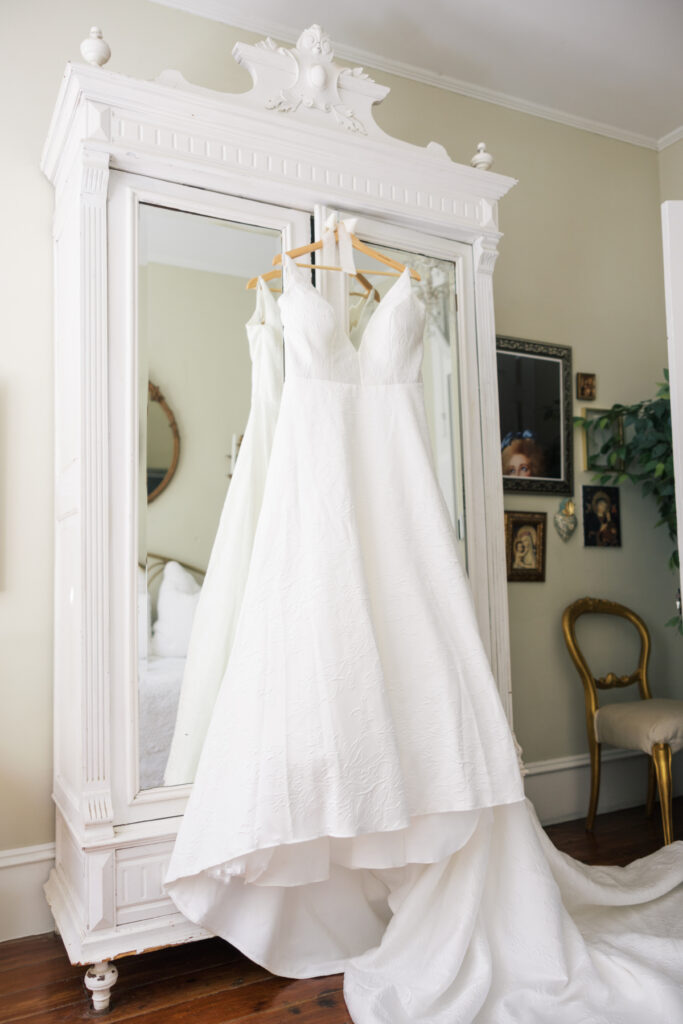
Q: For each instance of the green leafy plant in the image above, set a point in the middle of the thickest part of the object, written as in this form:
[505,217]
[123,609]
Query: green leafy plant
[639,449]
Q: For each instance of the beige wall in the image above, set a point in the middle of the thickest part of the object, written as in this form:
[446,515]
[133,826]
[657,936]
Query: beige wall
[199,356]
[671,171]
[580,265]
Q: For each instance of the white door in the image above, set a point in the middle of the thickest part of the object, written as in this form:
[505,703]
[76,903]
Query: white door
[672,233]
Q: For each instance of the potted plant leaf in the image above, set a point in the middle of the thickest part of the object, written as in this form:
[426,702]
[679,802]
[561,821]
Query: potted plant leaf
[637,447]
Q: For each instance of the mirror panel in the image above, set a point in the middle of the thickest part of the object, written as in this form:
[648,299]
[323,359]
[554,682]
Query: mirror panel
[193,351]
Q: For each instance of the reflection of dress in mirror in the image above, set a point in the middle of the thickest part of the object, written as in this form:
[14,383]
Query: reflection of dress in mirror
[221,596]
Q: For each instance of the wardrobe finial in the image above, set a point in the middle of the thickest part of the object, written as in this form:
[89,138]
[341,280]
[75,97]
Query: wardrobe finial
[481,159]
[94,49]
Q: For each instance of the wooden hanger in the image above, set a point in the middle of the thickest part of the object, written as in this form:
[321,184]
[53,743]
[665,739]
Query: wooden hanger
[357,244]
[397,267]
[272,274]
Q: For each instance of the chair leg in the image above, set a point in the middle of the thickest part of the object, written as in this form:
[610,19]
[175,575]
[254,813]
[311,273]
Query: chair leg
[661,756]
[595,786]
[651,783]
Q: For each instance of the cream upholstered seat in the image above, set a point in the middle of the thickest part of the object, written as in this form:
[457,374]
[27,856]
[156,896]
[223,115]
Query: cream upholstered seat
[641,725]
[654,726]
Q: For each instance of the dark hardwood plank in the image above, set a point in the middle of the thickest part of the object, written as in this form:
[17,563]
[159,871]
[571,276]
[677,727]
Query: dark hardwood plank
[161,988]
[254,1002]
[618,838]
[19,953]
[172,959]
[329,1008]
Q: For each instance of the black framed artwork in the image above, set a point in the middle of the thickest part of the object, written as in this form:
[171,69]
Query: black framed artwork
[601,517]
[535,401]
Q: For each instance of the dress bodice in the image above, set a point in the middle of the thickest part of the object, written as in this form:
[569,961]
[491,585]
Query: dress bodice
[264,332]
[318,347]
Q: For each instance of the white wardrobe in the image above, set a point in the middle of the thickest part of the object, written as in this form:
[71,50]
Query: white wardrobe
[159,184]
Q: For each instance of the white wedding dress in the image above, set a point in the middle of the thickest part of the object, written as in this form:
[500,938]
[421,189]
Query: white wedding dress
[358,805]
[215,619]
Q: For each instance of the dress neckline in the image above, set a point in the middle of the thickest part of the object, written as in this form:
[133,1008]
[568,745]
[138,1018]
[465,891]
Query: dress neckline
[295,275]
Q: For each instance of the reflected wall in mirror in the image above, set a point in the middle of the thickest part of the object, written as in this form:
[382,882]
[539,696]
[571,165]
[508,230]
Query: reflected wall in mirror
[163,443]
[192,309]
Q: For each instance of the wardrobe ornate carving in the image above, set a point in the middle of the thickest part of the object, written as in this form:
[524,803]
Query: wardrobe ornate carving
[301,144]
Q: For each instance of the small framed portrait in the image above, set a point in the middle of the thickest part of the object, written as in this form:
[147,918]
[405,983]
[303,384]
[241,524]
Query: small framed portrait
[586,387]
[595,435]
[525,546]
[601,517]
[535,401]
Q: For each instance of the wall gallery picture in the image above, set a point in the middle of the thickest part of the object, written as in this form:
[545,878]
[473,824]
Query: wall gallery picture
[535,401]
[525,546]
[601,517]
[586,387]
[596,433]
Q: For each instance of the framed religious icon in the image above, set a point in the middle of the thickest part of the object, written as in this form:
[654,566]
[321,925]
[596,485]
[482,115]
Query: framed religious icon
[535,401]
[586,387]
[601,517]
[525,546]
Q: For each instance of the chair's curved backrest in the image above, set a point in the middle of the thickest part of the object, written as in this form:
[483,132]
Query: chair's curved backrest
[591,684]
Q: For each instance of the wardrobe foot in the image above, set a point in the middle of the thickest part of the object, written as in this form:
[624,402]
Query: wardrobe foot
[99,980]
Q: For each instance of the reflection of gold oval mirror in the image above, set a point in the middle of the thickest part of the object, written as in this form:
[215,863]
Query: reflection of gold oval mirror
[163,443]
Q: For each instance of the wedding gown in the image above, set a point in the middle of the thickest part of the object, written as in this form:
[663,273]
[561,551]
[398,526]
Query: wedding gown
[215,619]
[358,805]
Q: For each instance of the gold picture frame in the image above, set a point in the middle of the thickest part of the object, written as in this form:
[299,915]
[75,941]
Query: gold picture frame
[525,541]
[594,438]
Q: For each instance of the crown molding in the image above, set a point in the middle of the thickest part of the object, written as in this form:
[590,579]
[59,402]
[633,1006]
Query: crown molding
[214,10]
[668,140]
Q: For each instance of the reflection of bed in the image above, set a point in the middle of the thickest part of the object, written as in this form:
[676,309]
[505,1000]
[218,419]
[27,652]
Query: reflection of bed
[159,681]
[172,589]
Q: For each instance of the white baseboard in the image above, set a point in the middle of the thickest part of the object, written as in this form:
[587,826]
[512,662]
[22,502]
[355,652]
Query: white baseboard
[559,788]
[23,907]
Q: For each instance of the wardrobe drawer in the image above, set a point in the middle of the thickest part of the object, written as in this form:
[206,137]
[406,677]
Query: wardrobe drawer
[140,872]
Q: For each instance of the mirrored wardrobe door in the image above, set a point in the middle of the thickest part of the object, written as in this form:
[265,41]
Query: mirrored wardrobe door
[194,330]
[204,351]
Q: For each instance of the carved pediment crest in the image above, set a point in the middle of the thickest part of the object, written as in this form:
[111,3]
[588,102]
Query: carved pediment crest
[307,77]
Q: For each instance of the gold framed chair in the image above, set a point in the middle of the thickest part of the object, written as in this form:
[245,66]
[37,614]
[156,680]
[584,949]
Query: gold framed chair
[654,726]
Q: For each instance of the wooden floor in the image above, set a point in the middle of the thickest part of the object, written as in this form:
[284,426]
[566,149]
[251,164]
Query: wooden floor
[211,983]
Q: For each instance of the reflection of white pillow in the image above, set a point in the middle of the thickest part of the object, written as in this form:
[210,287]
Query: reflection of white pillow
[144,615]
[176,605]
